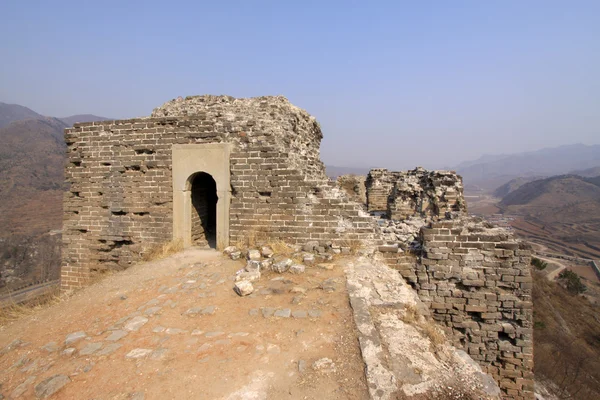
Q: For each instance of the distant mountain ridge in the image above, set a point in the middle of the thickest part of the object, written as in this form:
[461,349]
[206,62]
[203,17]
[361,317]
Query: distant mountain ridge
[32,157]
[490,172]
[14,112]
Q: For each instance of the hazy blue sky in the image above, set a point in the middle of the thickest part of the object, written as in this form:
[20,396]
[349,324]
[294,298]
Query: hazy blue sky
[394,84]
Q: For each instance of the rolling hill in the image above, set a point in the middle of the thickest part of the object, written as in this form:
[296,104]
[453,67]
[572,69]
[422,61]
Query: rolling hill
[564,198]
[32,156]
[490,172]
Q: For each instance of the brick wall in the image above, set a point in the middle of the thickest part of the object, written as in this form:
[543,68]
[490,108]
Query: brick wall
[120,199]
[477,282]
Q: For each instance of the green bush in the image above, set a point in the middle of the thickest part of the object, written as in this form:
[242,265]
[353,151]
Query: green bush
[571,281]
[539,264]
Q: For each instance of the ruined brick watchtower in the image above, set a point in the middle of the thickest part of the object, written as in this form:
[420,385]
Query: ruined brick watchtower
[205,170]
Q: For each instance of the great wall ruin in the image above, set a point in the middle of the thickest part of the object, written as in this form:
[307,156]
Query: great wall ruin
[213,170]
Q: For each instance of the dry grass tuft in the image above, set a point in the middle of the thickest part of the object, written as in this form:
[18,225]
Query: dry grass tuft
[247,241]
[14,311]
[281,248]
[435,334]
[160,251]
[355,245]
[411,315]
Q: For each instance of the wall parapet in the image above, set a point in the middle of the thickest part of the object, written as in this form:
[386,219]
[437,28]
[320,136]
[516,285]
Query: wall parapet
[477,282]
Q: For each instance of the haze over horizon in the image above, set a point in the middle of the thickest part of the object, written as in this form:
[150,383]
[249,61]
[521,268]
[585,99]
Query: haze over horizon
[393,85]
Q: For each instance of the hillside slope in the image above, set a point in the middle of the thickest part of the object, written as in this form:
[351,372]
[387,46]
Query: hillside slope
[31,175]
[565,198]
[513,185]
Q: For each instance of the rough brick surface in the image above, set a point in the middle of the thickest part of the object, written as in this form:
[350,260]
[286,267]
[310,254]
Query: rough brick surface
[477,282]
[120,200]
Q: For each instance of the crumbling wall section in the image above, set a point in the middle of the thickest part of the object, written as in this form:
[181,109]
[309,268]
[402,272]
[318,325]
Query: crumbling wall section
[426,194]
[477,282]
[379,185]
[418,192]
[120,200]
[354,186]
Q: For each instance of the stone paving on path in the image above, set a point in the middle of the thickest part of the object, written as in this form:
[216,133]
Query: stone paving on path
[176,329]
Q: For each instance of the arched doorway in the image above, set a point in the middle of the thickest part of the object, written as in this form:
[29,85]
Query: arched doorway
[202,161]
[203,190]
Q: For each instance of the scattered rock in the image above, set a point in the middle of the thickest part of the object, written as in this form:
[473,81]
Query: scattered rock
[298,289]
[296,300]
[159,329]
[116,335]
[11,346]
[326,266]
[159,354]
[210,310]
[297,269]
[325,365]
[138,353]
[283,313]
[152,310]
[314,313]
[310,246]
[48,387]
[243,288]
[197,332]
[109,349]
[299,314]
[252,266]
[267,311]
[248,276]
[22,388]
[91,348]
[230,249]
[266,252]
[174,331]
[282,266]
[74,337]
[136,323]
[266,265]
[253,311]
[214,334]
[51,347]
[236,255]
[254,255]
[309,259]
[69,352]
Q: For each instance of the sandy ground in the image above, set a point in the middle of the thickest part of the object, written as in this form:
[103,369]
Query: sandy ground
[200,341]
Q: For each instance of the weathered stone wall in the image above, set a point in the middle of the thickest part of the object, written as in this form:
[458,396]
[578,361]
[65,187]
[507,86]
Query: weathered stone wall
[121,197]
[477,282]
[426,194]
[379,184]
[354,186]
[415,193]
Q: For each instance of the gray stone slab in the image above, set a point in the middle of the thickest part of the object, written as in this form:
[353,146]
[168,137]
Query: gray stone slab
[135,323]
[116,335]
[89,349]
[109,349]
[74,337]
[283,313]
[299,314]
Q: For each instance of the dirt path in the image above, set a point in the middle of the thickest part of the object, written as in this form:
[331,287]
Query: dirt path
[174,329]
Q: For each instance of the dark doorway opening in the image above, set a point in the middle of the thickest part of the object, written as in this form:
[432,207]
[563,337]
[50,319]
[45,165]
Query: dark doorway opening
[204,210]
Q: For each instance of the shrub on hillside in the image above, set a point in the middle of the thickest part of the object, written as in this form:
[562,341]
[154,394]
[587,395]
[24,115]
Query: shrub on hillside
[571,281]
[539,264]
